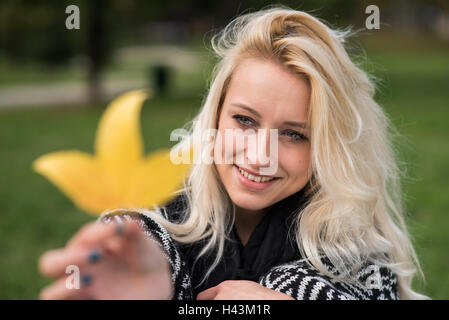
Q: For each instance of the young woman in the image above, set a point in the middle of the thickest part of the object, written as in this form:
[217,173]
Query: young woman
[325,223]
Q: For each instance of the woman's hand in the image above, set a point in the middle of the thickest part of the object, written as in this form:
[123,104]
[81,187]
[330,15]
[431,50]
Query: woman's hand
[241,290]
[116,261]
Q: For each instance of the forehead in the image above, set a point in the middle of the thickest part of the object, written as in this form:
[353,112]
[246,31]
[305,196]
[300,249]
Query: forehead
[269,87]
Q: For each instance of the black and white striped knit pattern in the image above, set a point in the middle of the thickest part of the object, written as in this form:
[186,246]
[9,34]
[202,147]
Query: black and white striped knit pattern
[303,282]
[154,231]
[296,279]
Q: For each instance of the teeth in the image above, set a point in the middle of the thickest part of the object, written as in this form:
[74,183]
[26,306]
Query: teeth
[254,178]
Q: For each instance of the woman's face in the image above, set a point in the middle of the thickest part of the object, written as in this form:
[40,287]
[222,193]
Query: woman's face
[264,95]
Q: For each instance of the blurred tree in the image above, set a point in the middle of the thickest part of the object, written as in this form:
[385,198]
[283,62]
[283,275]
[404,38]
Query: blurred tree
[34,30]
[98,45]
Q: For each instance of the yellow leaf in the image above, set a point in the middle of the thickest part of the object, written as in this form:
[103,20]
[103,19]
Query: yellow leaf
[118,175]
[77,175]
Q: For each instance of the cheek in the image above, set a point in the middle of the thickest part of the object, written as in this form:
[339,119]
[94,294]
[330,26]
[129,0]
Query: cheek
[295,162]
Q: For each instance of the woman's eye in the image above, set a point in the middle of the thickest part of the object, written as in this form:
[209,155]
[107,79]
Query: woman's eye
[243,120]
[295,136]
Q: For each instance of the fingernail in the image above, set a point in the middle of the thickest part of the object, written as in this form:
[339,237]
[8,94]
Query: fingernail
[94,256]
[120,229]
[86,279]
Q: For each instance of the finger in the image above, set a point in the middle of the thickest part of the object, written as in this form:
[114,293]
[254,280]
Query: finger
[114,246]
[54,263]
[208,294]
[95,233]
[59,290]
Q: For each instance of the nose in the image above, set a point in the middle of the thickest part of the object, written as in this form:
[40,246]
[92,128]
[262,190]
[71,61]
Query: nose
[260,151]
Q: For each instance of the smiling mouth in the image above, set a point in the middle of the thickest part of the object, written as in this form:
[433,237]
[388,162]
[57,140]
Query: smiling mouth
[254,177]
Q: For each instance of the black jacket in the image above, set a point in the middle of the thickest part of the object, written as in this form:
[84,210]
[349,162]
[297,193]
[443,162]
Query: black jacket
[271,243]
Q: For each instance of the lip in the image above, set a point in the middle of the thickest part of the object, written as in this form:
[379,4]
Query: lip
[252,184]
[255,174]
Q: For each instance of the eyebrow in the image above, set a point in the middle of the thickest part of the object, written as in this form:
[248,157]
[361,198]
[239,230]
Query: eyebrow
[257,114]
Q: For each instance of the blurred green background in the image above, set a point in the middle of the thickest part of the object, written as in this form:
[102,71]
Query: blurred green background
[55,84]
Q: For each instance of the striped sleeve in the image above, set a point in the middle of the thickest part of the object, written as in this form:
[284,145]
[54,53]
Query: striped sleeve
[303,282]
[180,276]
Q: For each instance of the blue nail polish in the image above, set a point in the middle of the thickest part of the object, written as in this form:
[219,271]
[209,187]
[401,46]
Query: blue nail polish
[86,279]
[120,229]
[94,256]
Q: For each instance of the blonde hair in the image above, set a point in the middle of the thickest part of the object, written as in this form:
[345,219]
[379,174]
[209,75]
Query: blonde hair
[355,210]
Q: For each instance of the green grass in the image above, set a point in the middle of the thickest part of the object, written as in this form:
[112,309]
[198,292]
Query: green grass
[36,217]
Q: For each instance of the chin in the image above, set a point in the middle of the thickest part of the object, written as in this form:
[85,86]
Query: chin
[248,202]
